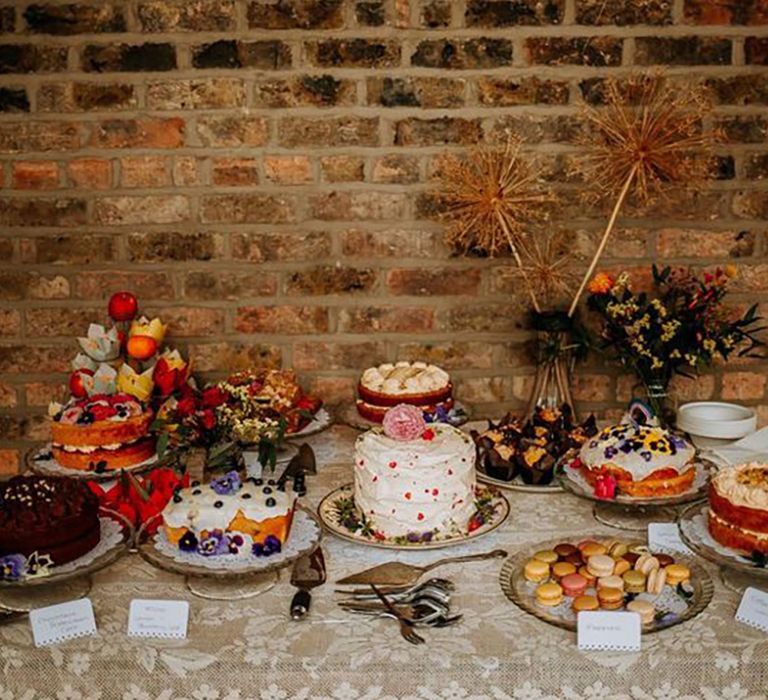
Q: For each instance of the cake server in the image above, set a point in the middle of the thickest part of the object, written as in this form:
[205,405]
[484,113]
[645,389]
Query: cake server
[308,573]
[399,575]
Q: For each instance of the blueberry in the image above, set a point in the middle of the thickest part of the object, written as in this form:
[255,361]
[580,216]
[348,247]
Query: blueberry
[196,492]
[258,482]
[266,490]
[218,504]
[177,498]
[270,503]
[246,495]
[271,482]
[195,483]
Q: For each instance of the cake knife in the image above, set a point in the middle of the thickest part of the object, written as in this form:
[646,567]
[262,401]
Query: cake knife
[308,572]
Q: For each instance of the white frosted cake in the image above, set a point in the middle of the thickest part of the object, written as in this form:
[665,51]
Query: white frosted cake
[416,479]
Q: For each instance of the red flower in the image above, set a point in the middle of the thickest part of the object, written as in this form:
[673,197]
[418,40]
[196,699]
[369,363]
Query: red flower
[208,419]
[605,488]
[186,407]
[428,434]
[213,397]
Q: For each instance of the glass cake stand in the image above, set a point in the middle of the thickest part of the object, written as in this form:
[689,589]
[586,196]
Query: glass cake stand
[72,580]
[634,514]
[737,568]
[348,415]
[237,578]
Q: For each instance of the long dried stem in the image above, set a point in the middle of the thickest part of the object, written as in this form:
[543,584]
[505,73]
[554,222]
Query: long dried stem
[518,260]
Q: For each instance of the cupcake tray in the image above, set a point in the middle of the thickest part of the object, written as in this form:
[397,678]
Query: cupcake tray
[677,607]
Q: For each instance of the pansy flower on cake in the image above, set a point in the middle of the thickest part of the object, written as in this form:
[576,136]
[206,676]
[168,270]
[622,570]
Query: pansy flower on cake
[230,516]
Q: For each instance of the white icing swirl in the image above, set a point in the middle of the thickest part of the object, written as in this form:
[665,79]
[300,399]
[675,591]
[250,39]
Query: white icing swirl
[745,485]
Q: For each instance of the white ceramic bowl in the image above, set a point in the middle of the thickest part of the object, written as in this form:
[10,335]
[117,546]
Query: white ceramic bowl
[716,419]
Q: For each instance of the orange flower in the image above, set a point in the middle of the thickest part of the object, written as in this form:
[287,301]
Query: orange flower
[601,283]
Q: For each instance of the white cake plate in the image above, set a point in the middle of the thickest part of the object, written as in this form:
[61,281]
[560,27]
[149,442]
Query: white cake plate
[41,461]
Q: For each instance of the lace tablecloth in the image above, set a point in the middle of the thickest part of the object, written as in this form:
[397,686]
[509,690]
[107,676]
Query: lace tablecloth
[252,650]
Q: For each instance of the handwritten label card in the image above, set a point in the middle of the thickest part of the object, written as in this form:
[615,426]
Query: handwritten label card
[666,536]
[753,609]
[166,619]
[59,623]
[610,631]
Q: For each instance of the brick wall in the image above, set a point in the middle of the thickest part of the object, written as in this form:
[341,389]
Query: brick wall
[257,173]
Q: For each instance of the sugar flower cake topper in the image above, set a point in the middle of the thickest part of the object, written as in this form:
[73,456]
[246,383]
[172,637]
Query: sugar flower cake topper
[404,422]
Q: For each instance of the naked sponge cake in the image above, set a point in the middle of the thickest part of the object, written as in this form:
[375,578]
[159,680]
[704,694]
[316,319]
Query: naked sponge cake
[415,383]
[55,517]
[738,507]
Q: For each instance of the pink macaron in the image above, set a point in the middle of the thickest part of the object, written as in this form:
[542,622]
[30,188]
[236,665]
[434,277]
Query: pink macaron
[573,585]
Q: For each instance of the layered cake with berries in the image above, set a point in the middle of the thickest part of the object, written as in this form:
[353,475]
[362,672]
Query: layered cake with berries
[228,514]
[414,383]
[412,477]
[101,432]
[645,461]
[738,507]
[55,518]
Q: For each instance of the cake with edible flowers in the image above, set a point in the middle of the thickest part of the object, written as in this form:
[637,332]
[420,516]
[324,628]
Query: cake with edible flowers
[414,479]
[644,461]
[738,507]
[230,516]
[415,383]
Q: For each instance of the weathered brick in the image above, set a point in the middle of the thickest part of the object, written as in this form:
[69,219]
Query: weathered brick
[226,53]
[74,18]
[203,93]
[354,53]
[281,247]
[682,51]
[673,242]
[288,320]
[371,14]
[10,462]
[415,131]
[725,12]
[288,170]
[507,13]
[750,279]
[364,243]
[330,279]
[10,325]
[7,19]
[28,137]
[187,15]
[58,321]
[30,357]
[416,92]
[30,58]
[13,100]
[395,169]
[247,209]
[190,321]
[133,58]
[68,249]
[305,90]
[65,212]
[756,50]
[619,12]
[318,355]
[8,395]
[90,173]
[144,171]
[591,387]
[17,284]
[480,389]
[386,319]
[230,285]
[508,92]
[334,390]
[746,129]
[42,393]
[740,89]
[463,54]
[488,317]
[80,97]
[173,246]
[35,175]
[350,206]
[233,172]
[187,171]
[751,205]
[449,354]
[756,166]
[101,285]
[152,209]
[138,133]
[560,129]
[228,131]
[429,282]
[435,14]
[584,51]
[342,168]
[328,132]
[234,356]
[743,385]
[296,14]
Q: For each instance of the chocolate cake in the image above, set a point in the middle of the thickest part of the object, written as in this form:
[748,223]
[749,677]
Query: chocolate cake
[52,516]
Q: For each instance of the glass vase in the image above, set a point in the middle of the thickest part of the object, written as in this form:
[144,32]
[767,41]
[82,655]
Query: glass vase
[660,400]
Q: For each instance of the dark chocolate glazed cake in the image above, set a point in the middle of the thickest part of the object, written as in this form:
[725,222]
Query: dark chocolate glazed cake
[48,515]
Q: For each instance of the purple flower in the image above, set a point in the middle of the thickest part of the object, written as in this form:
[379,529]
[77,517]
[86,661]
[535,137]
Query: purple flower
[610,452]
[413,537]
[626,447]
[271,545]
[226,485]
[13,567]
[647,456]
[439,416]
[213,544]
[188,542]
[427,536]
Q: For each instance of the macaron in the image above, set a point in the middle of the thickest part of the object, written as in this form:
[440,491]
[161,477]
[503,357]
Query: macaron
[631,557]
[677,573]
[656,580]
[600,565]
[546,555]
[618,549]
[562,568]
[575,558]
[564,549]
[610,582]
[645,609]
[536,570]
[573,585]
[664,559]
[585,602]
[610,598]
[549,594]
[634,581]
[647,563]
[591,578]
[621,566]
[591,549]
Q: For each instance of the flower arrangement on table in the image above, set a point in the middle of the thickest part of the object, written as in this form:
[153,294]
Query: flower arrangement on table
[680,328]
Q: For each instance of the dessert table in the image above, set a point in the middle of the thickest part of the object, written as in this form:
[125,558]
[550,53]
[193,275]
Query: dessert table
[250,649]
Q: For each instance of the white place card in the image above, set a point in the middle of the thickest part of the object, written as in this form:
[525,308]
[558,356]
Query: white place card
[666,536]
[59,623]
[608,631]
[753,609]
[166,619]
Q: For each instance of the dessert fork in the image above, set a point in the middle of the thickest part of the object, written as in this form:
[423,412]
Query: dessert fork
[406,627]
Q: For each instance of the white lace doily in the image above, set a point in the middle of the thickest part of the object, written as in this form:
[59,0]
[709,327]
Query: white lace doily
[49,466]
[305,534]
[700,530]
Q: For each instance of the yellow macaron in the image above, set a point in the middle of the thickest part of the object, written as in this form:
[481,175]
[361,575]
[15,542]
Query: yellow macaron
[644,608]
[547,556]
[677,573]
[536,570]
[585,602]
[634,581]
[549,594]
